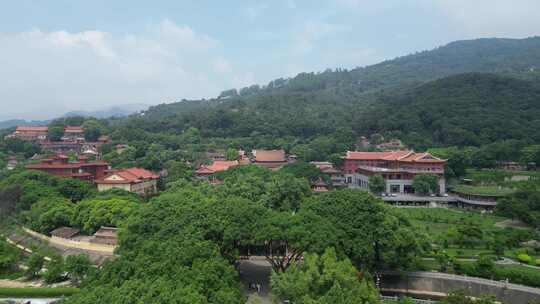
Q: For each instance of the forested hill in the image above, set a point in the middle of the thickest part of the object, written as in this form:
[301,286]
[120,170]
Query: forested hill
[466,109]
[520,57]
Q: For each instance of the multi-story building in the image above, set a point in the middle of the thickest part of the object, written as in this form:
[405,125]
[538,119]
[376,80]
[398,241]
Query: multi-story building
[81,169]
[398,168]
[272,159]
[30,133]
[73,133]
[135,180]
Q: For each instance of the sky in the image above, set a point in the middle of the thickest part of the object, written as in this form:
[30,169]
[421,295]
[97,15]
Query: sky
[63,55]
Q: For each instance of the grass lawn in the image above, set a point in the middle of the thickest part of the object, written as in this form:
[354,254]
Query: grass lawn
[439,220]
[483,190]
[36,292]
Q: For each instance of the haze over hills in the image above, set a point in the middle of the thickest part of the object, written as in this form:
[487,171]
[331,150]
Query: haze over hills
[115,111]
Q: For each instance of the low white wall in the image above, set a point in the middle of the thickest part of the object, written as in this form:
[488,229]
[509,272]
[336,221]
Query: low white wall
[83,245]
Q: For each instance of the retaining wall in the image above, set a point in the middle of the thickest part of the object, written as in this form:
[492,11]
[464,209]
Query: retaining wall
[429,282]
[82,245]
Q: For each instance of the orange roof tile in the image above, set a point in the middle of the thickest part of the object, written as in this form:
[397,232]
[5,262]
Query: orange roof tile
[392,155]
[270,156]
[130,175]
[402,156]
[32,128]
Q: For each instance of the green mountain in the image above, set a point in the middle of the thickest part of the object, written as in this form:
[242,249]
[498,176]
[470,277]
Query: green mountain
[518,57]
[466,109]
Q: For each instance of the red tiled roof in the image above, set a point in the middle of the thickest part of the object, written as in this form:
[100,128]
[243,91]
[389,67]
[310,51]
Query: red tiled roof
[393,155]
[73,129]
[270,156]
[204,170]
[44,165]
[217,166]
[402,156]
[130,175]
[222,165]
[32,129]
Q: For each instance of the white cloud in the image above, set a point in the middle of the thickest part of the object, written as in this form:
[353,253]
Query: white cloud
[312,32]
[48,73]
[221,65]
[493,18]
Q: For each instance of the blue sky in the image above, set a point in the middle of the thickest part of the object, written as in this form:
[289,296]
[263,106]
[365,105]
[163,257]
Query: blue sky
[58,56]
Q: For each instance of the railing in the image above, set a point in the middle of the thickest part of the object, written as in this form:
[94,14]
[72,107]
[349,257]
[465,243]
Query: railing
[447,276]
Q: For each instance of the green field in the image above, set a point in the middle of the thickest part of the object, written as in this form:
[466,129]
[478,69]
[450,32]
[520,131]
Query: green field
[483,190]
[437,222]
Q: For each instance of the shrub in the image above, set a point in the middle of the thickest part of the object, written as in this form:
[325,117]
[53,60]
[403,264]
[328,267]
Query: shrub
[524,258]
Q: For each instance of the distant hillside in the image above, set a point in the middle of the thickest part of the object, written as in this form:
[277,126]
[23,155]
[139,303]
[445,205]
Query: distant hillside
[115,111]
[516,57]
[519,58]
[466,109]
[17,122]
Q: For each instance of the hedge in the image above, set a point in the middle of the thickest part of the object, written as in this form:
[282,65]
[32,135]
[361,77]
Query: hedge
[30,292]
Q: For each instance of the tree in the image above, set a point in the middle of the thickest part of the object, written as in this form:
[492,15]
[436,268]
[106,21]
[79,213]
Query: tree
[34,264]
[425,183]
[94,213]
[49,214]
[55,271]
[324,279]
[231,154]
[9,257]
[369,233]
[285,192]
[56,132]
[523,204]
[469,235]
[377,184]
[484,266]
[305,170]
[92,129]
[77,267]
[443,259]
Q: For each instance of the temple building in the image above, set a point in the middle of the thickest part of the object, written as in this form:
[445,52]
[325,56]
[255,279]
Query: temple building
[81,169]
[398,168]
[336,176]
[272,159]
[30,133]
[217,166]
[73,133]
[134,180]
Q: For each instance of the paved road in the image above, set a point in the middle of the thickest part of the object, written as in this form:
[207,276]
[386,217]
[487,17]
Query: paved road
[256,271]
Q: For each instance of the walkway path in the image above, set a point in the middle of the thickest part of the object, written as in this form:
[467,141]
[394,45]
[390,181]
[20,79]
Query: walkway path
[256,271]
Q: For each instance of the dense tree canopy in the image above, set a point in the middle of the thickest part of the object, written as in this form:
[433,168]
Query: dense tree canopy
[324,279]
